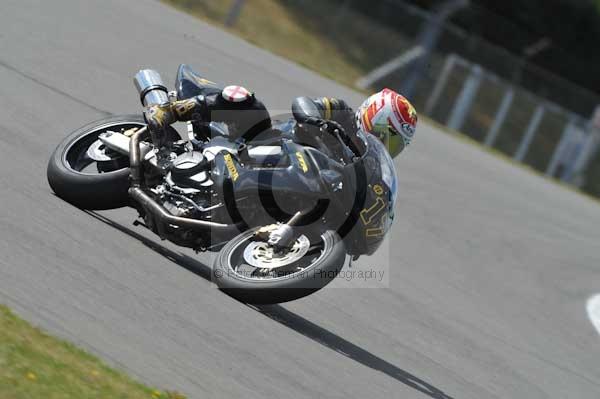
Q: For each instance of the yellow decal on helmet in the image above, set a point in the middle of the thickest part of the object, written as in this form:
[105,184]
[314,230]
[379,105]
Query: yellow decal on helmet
[411,109]
[367,122]
[231,167]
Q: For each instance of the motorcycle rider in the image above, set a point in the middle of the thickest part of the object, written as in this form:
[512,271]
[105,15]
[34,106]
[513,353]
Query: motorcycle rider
[386,114]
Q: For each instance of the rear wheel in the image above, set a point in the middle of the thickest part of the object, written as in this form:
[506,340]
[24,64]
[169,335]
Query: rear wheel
[84,172]
[248,269]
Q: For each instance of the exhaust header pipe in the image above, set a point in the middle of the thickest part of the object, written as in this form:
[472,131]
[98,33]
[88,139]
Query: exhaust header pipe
[161,216]
[164,218]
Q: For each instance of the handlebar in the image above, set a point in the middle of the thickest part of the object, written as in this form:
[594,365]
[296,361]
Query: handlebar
[337,131]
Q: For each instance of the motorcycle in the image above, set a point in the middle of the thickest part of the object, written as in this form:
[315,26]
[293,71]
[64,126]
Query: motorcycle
[284,209]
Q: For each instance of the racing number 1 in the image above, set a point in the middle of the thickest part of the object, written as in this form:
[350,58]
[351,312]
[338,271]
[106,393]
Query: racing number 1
[367,215]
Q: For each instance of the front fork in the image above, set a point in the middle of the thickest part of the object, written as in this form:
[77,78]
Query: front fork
[283,236]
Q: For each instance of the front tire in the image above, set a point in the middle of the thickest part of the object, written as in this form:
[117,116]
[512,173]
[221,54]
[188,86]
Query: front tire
[306,271]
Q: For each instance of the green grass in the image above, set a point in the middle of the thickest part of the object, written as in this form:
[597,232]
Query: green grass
[35,365]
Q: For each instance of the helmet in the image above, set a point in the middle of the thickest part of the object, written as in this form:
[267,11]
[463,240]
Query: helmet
[390,117]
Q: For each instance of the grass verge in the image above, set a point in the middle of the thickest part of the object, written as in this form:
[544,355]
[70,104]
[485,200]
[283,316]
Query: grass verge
[36,365]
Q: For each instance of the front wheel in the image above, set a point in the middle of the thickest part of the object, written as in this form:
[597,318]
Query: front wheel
[249,270]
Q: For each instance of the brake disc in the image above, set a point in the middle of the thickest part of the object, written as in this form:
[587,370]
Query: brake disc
[261,255]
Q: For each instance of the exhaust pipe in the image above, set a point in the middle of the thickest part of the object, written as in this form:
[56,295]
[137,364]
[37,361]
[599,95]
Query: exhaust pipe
[164,217]
[161,215]
[135,165]
[151,88]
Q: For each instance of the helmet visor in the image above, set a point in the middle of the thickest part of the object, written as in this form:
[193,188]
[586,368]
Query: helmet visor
[394,141]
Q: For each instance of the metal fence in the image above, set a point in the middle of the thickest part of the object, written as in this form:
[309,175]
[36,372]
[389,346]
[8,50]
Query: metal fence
[531,129]
[487,93]
[482,90]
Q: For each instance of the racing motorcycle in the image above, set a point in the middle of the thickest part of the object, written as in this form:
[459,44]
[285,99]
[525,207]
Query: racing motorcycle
[284,209]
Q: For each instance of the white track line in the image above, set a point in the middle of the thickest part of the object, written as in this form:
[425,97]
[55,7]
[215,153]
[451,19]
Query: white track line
[593,311]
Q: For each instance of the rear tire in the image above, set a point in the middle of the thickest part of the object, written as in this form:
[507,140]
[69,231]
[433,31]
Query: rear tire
[106,190]
[320,271]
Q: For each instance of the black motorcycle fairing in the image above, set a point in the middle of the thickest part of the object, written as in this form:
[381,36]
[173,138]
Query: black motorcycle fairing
[371,187]
[363,193]
[189,84]
[272,193]
[359,197]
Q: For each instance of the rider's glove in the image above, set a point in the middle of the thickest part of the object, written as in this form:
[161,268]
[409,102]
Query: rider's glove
[160,117]
[335,129]
[325,125]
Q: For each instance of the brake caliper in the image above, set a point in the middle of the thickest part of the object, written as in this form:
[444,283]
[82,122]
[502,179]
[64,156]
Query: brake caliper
[264,232]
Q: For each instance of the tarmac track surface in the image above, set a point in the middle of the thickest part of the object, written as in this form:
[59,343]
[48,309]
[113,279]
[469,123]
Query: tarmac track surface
[489,271]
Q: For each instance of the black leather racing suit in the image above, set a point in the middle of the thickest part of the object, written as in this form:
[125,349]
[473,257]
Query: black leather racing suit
[249,117]
[314,110]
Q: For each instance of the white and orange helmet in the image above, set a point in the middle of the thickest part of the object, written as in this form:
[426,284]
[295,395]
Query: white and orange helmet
[390,117]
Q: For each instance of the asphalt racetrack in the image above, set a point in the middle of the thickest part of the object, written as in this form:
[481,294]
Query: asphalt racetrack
[487,271]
